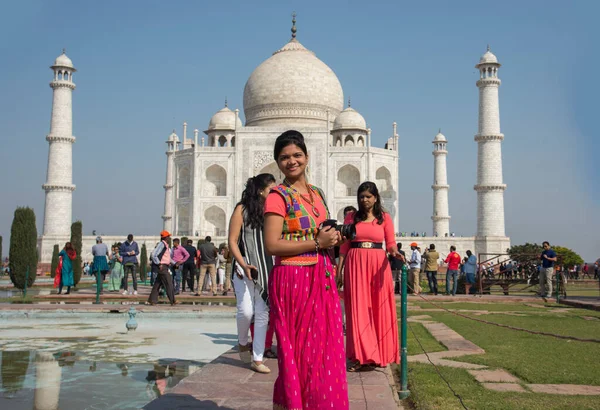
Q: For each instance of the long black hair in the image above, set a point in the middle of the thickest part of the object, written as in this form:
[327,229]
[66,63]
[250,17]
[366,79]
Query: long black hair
[252,203]
[288,138]
[361,214]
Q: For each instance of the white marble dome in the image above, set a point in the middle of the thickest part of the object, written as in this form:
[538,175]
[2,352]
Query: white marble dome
[63,61]
[349,119]
[439,137]
[224,119]
[488,58]
[292,88]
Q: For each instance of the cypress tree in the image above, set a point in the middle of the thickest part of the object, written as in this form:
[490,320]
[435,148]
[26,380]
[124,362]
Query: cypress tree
[76,241]
[143,263]
[13,369]
[23,248]
[54,263]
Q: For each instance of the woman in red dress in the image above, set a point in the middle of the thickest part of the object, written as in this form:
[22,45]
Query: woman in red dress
[372,327]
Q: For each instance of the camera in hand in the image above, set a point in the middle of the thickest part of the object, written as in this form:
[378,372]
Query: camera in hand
[254,274]
[348,231]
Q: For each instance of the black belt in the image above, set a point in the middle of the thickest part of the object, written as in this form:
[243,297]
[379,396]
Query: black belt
[367,245]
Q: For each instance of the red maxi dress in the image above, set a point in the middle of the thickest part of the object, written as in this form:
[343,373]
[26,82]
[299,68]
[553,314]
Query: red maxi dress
[371,323]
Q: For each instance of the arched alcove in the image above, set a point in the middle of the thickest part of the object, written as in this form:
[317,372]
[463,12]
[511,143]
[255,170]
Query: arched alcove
[383,179]
[222,141]
[272,169]
[233,141]
[183,219]
[360,142]
[215,221]
[184,182]
[348,180]
[216,181]
[349,141]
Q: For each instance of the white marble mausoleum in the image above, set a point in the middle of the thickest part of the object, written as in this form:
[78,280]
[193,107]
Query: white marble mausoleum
[292,89]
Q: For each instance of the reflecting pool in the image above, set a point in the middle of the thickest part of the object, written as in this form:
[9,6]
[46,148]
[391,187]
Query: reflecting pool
[65,380]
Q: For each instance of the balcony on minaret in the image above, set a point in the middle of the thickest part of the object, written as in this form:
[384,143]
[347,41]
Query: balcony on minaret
[488,68]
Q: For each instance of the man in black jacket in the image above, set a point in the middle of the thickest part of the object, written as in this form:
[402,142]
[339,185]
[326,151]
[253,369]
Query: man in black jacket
[396,265]
[189,266]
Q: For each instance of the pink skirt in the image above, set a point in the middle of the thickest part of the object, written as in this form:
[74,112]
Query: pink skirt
[306,314]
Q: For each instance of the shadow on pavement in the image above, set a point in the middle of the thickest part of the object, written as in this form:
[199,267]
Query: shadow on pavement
[173,401]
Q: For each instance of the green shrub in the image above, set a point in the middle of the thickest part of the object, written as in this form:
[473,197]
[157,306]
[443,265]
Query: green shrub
[143,263]
[76,241]
[23,248]
[54,263]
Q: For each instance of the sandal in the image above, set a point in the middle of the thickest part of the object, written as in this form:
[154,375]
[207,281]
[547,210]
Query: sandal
[269,354]
[355,367]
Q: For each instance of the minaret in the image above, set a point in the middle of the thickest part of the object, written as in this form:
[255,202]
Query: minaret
[48,376]
[490,189]
[440,217]
[59,180]
[168,215]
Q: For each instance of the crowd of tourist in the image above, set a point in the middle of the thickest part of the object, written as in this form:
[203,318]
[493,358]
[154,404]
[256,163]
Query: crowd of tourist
[187,267]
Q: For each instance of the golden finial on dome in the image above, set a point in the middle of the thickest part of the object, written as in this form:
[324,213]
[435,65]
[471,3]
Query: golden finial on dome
[225,101]
[349,103]
[294,25]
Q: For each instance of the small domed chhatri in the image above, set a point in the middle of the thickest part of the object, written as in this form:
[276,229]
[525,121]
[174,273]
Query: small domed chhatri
[439,137]
[488,57]
[224,119]
[63,61]
[350,119]
[173,137]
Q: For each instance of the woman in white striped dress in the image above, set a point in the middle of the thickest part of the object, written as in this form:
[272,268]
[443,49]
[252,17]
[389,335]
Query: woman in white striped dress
[251,267]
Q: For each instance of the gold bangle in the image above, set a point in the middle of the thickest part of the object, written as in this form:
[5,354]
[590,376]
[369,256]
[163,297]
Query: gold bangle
[317,245]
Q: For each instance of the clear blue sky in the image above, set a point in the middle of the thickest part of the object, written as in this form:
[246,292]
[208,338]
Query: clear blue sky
[144,67]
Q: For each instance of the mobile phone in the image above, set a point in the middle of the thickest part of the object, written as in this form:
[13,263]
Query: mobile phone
[254,274]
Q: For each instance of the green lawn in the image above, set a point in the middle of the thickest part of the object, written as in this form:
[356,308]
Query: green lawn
[531,358]
[428,391]
[479,305]
[430,344]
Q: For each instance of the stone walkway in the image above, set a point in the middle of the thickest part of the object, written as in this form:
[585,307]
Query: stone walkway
[227,383]
[492,379]
[592,303]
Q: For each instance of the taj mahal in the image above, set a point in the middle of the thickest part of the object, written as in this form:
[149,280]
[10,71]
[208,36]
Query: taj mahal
[292,89]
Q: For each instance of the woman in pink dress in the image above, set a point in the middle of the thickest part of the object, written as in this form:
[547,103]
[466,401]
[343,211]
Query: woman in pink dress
[371,324]
[304,303]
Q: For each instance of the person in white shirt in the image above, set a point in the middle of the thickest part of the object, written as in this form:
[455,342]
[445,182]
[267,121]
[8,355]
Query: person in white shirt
[415,269]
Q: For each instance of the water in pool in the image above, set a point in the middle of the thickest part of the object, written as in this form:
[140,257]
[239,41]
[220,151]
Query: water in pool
[66,380]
